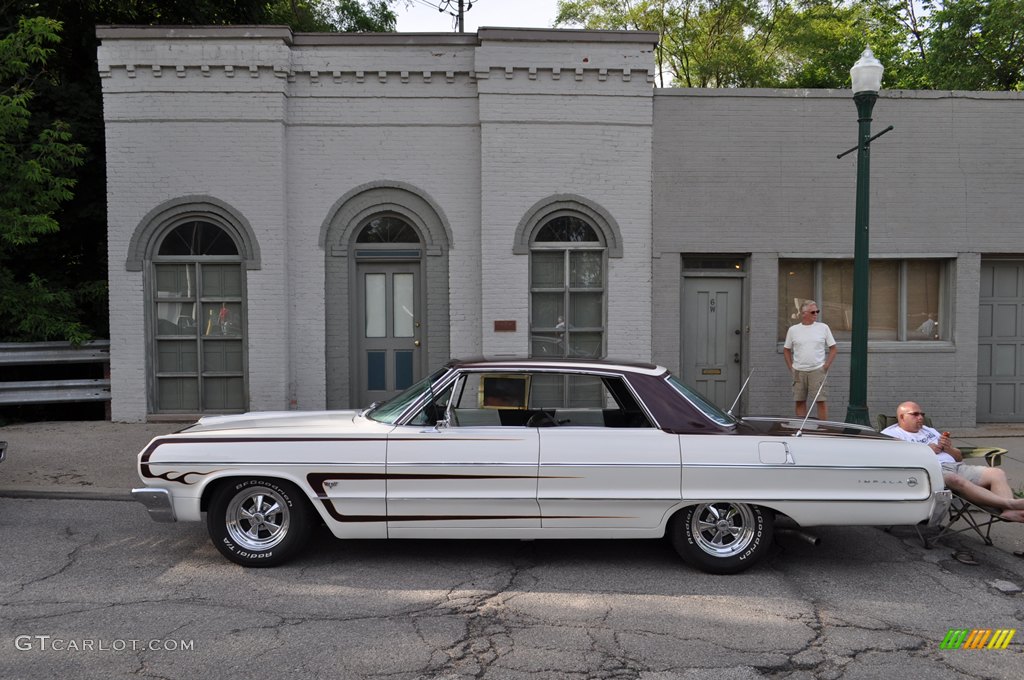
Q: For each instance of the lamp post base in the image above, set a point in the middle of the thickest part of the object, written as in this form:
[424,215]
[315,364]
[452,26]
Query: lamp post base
[858,415]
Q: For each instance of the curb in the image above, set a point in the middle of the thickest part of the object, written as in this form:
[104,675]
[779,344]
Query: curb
[92,495]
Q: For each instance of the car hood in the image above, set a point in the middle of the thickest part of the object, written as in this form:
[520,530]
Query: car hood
[791,426]
[276,420]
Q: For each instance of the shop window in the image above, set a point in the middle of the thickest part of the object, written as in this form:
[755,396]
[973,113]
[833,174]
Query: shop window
[907,298]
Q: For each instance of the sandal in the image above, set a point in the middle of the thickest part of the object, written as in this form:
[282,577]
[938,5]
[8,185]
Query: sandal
[964,557]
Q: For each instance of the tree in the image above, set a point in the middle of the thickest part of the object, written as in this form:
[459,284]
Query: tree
[35,159]
[978,44]
[61,276]
[955,44]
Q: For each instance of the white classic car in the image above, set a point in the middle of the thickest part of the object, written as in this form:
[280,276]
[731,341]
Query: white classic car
[532,449]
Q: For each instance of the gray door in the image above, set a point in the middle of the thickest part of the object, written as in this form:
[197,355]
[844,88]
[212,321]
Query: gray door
[389,337]
[1001,342]
[712,336]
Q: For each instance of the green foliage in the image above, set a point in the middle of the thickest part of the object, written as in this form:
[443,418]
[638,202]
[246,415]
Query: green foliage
[34,162]
[52,165]
[978,45]
[954,44]
[337,15]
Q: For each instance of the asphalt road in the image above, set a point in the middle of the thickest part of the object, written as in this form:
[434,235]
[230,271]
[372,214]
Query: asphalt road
[94,589]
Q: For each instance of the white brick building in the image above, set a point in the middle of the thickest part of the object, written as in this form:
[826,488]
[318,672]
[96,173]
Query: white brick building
[300,221]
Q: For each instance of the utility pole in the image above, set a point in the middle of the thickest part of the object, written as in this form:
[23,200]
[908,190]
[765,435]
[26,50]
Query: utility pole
[459,14]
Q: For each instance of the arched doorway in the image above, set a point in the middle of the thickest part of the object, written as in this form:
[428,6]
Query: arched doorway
[386,297]
[389,343]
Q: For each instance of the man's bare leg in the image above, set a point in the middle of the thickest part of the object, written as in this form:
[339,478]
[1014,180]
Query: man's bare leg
[822,410]
[1013,508]
[995,480]
[801,409]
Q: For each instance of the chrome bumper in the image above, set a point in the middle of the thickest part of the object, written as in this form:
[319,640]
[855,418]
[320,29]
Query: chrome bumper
[157,502]
[940,511]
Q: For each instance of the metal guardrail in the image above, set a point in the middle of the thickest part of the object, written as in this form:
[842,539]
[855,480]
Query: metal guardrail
[55,391]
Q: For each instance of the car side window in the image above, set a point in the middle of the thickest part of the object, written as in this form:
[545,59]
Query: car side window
[574,400]
[538,399]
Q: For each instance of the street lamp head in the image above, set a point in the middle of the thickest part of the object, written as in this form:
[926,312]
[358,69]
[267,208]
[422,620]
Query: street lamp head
[866,74]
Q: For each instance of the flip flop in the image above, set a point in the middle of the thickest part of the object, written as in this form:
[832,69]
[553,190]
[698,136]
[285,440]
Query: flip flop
[964,557]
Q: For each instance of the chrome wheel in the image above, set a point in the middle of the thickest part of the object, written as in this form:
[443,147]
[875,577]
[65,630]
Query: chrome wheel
[723,529]
[257,518]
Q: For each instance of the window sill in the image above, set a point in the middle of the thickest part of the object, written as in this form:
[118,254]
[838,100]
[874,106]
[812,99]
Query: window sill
[895,346]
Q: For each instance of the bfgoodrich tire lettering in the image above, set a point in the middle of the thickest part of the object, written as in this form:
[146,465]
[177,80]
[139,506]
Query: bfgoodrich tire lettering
[258,522]
[723,537]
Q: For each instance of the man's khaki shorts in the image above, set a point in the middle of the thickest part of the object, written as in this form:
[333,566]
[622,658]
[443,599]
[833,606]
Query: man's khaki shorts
[971,473]
[806,384]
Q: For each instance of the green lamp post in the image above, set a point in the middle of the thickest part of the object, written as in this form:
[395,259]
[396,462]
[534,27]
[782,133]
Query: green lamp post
[866,75]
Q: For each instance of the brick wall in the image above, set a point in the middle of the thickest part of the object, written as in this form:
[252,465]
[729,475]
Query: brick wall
[755,172]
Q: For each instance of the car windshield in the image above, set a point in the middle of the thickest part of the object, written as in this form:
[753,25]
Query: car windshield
[390,410]
[710,410]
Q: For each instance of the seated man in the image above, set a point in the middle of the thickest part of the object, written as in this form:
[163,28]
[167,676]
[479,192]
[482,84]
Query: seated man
[980,485]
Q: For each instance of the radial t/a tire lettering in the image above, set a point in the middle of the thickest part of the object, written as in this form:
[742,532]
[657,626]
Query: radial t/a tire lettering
[258,522]
[722,537]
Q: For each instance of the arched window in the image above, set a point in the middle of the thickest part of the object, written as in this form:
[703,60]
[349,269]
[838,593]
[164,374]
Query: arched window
[567,286]
[199,325]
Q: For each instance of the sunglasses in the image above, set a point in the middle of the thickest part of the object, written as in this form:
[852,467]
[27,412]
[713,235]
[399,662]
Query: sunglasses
[916,413]
[816,311]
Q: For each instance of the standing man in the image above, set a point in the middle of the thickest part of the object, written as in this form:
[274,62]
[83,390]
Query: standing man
[809,351]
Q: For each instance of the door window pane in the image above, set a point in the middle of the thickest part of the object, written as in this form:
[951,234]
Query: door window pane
[403,308]
[403,369]
[376,305]
[387,229]
[376,370]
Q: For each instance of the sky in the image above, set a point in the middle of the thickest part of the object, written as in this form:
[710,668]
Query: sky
[422,16]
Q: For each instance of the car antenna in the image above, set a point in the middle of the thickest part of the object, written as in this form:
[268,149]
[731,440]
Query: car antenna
[800,432]
[742,389]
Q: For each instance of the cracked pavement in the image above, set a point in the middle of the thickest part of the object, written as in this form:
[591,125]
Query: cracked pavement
[863,604]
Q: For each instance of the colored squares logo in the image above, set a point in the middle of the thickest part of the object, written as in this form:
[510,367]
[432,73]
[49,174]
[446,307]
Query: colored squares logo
[978,638]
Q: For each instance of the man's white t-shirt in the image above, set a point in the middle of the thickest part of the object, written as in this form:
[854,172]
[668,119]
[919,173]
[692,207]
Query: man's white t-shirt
[809,343]
[926,435]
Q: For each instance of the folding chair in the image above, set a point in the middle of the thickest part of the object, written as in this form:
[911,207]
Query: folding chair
[977,518]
